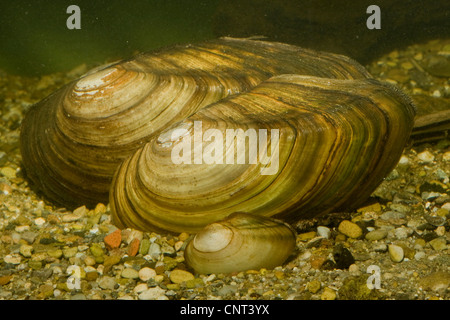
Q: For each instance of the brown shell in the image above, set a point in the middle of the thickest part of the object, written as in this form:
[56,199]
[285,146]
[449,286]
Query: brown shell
[73,141]
[337,140]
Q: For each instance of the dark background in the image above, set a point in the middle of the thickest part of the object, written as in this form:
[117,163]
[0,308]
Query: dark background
[34,38]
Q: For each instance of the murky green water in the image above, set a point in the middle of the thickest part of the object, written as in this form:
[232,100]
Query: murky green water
[34,38]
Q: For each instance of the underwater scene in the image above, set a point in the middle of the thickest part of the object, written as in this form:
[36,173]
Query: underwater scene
[225,150]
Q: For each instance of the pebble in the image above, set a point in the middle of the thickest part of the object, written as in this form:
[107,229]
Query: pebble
[396,253]
[69,252]
[147,273]
[227,290]
[12,258]
[180,276]
[4,280]
[144,247]
[403,232]
[178,245]
[380,247]
[350,229]
[39,221]
[446,156]
[8,172]
[426,157]
[70,217]
[306,236]
[438,244]
[5,188]
[392,215]
[45,291]
[376,235]
[111,260]
[323,232]
[140,287]
[78,296]
[35,265]
[26,250]
[133,247]
[419,255]
[154,250]
[113,240]
[55,253]
[91,275]
[155,293]
[404,160]
[96,250]
[354,269]
[107,283]
[436,281]
[328,294]
[314,286]
[440,231]
[130,273]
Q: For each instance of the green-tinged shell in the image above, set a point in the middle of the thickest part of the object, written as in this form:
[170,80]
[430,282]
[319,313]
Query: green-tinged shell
[331,143]
[73,141]
[240,242]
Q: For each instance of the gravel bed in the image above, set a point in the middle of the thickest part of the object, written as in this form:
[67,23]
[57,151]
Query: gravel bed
[396,247]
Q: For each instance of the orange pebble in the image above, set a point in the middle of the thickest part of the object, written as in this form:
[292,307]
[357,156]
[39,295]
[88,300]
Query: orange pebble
[113,239]
[134,247]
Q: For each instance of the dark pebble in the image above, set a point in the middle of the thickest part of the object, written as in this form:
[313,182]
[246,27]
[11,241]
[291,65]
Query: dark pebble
[47,241]
[42,274]
[435,221]
[429,236]
[343,257]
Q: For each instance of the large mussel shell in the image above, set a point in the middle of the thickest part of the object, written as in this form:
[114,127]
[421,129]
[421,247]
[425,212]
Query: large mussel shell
[73,141]
[337,139]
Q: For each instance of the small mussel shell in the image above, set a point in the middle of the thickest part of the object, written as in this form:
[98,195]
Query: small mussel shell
[240,242]
[73,141]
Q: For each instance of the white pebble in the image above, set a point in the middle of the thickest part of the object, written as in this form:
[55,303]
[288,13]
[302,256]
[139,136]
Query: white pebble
[22,228]
[154,251]
[12,258]
[39,221]
[419,255]
[404,160]
[306,255]
[210,278]
[94,230]
[146,273]
[353,269]
[323,232]
[436,94]
[140,288]
[426,157]
[155,293]
[403,232]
